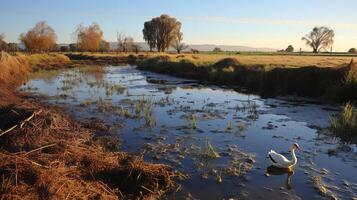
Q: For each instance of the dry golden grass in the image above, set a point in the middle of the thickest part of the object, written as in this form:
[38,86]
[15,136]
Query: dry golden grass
[47,61]
[247,59]
[276,60]
[12,69]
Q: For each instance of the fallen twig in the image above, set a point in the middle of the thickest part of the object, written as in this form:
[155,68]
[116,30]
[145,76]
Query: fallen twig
[8,130]
[40,148]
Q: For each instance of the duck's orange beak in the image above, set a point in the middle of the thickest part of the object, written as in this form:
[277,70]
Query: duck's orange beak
[300,150]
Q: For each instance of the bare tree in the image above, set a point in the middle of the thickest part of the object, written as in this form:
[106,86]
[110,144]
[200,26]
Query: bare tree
[104,46]
[319,38]
[136,48]
[89,38]
[161,31]
[177,43]
[40,38]
[120,41]
[125,43]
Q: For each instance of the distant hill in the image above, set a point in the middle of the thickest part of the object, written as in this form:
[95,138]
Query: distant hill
[199,47]
[208,47]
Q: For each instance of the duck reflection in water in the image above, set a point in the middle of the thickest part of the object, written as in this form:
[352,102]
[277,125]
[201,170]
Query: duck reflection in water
[271,170]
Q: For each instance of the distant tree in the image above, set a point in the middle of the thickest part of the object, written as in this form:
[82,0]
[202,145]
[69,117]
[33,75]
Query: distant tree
[104,46]
[161,31]
[64,48]
[40,38]
[352,50]
[136,48]
[319,38]
[73,47]
[89,38]
[128,44]
[177,43]
[3,45]
[194,51]
[13,47]
[290,49]
[125,43]
[216,50]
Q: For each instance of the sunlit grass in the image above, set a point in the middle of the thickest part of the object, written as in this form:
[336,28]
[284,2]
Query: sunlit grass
[345,123]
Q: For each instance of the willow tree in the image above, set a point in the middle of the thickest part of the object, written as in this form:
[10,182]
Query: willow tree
[319,38]
[161,31]
[89,38]
[40,38]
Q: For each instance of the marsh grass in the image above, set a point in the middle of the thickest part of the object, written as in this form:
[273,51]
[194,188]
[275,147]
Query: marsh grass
[193,121]
[229,127]
[47,61]
[209,151]
[345,123]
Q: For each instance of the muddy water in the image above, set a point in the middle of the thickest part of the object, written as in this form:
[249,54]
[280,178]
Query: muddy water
[218,137]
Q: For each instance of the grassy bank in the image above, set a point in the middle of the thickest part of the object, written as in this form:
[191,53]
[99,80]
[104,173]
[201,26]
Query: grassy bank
[256,58]
[335,83]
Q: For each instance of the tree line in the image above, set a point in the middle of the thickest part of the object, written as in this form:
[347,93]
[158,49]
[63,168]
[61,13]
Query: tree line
[159,33]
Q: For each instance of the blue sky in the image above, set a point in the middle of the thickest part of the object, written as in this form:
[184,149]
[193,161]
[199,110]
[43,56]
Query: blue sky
[257,23]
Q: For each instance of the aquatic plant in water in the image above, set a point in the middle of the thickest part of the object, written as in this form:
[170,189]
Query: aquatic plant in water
[193,121]
[345,123]
[209,151]
[229,127]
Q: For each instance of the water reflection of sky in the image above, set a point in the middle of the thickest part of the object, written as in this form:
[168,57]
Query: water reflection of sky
[279,123]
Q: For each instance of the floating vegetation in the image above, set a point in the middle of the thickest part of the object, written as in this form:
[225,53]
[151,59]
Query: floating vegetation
[111,88]
[250,107]
[150,122]
[240,163]
[322,188]
[209,151]
[107,106]
[193,121]
[241,127]
[229,127]
[345,123]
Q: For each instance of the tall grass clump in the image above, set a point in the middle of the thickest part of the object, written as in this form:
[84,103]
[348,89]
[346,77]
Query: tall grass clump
[47,61]
[349,88]
[13,69]
[345,123]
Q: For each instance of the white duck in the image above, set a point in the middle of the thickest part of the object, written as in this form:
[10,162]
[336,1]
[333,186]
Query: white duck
[280,161]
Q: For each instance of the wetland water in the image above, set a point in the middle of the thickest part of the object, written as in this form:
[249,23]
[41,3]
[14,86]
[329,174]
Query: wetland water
[218,137]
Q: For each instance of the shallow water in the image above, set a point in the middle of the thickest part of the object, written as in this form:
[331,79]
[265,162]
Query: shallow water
[173,121]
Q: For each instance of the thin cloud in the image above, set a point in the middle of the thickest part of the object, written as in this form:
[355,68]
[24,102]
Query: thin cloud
[274,22]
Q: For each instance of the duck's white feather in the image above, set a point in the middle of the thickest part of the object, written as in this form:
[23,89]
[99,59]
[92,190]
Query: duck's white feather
[278,160]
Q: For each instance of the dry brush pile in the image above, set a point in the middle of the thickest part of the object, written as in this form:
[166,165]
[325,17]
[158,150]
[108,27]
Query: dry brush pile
[45,155]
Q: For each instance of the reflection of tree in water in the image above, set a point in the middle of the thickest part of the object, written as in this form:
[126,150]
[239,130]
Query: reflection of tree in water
[93,74]
[271,170]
